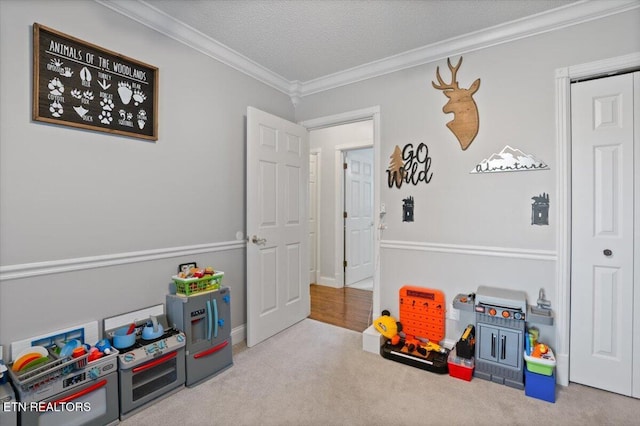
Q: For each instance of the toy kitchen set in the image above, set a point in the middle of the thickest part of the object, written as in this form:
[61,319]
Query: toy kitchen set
[501,317]
[78,376]
[59,380]
[151,359]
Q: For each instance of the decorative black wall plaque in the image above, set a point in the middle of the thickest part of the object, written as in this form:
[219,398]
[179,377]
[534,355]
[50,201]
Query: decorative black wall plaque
[409,165]
[78,84]
[407,209]
[540,210]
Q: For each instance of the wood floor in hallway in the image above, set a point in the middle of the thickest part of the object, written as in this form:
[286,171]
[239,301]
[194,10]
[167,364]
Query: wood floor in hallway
[345,307]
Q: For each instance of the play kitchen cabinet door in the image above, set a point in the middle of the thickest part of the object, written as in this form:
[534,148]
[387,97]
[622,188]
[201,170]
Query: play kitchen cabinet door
[94,404]
[206,321]
[500,345]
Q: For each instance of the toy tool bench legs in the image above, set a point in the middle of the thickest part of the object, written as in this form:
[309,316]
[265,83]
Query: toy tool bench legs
[422,319]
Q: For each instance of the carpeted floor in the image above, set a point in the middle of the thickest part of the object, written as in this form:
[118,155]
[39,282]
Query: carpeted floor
[317,374]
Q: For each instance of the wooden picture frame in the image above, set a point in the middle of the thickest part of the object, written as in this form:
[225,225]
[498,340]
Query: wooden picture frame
[79,84]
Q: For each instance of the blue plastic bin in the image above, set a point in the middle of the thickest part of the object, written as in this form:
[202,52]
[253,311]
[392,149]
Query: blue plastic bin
[540,386]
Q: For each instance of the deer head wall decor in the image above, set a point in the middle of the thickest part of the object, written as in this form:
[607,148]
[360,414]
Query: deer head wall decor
[466,120]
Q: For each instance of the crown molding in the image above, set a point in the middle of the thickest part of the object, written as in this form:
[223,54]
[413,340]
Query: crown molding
[566,16]
[147,15]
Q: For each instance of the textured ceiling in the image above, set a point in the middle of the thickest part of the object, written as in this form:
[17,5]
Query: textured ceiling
[304,40]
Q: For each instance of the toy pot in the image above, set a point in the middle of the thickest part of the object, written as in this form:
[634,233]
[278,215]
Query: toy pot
[152,330]
[123,340]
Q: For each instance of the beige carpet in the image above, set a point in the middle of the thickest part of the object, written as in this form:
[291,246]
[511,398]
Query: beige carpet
[317,374]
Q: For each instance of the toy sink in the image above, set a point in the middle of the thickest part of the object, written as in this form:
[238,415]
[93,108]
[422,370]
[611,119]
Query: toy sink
[543,365]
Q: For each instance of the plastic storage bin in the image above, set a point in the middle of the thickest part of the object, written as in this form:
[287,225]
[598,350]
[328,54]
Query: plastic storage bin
[540,386]
[544,365]
[191,286]
[460,368]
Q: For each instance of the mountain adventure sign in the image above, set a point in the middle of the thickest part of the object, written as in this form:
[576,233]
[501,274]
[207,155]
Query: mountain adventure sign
[79,84]
[509,160]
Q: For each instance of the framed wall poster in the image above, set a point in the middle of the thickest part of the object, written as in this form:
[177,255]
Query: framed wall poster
[79,84]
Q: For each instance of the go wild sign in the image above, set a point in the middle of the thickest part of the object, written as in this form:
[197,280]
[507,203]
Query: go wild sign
[409,165]
[81,85]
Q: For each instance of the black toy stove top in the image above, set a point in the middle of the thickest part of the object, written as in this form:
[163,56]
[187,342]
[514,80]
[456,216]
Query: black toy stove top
[141,343]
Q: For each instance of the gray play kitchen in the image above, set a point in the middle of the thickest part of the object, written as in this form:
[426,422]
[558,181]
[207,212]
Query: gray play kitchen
[137,359]
[60,379]
[205,318]
[151,363]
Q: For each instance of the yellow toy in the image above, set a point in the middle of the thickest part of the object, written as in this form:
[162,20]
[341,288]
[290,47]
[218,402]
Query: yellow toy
[388,327]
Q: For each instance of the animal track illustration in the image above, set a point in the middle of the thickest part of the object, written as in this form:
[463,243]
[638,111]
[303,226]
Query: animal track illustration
[142,118]
[56,62]
[85,74]
[88,95]
[76,93]
[138,97]
[124,90]
[80,110]
[105,117]
[56,87]
[106,104]
[56,109]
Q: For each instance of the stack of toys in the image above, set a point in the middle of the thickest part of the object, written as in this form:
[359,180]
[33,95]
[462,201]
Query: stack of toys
[539,374]
[461,358]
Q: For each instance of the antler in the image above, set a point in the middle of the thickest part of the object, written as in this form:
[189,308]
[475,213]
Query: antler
[454,83]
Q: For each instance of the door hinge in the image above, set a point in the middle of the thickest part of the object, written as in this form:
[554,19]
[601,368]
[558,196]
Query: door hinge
[345,263]
[344,165]
[344,215]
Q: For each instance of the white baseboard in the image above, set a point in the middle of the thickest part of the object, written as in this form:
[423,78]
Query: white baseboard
[562,369]
[329,282]
[372,340]
[239,334]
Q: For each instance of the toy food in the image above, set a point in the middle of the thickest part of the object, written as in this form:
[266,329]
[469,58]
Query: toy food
[196,273]
[539,350]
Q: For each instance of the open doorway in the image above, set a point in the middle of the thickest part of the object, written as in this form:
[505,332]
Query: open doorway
[333,142]
[338,204]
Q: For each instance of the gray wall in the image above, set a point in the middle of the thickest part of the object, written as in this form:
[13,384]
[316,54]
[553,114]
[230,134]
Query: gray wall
[134,207]
[473,229]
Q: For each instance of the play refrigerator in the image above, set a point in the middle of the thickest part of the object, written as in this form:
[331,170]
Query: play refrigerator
[205,319]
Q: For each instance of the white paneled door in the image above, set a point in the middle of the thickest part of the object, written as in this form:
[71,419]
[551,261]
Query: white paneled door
[358,202]
[602,263]
[277,225]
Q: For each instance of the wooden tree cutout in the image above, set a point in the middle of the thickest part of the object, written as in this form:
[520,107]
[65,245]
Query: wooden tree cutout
[466,120]
[396,171]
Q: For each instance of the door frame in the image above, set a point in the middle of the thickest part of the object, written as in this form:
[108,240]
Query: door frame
[372,113]
[318,153]
[563,78]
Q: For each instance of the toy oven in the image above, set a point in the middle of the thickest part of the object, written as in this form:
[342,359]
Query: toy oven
[500,327]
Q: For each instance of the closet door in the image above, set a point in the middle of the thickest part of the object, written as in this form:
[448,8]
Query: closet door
[602,264]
